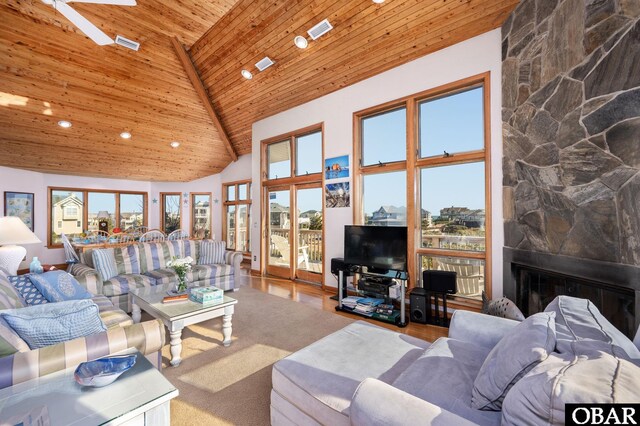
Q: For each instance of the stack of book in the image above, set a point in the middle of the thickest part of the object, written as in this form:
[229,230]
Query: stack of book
[384,309]
[367,305]
[350,302]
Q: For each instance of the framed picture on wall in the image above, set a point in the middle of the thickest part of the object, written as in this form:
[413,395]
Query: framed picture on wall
[19,204]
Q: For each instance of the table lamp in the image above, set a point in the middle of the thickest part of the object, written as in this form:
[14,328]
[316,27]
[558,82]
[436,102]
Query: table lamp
[13,231]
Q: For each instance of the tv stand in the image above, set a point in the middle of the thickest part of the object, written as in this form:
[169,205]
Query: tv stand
[402,276]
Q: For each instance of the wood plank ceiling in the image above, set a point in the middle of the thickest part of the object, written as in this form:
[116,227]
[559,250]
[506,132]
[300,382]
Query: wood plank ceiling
[367,39]
[50,71]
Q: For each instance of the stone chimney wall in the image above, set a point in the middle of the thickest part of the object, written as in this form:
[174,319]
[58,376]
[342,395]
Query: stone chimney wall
[571,128]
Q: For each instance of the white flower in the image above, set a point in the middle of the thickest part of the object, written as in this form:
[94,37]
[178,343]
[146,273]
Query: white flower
[180,263]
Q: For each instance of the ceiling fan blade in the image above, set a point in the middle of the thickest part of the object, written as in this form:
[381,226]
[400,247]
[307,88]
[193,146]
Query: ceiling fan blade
[83,24]
[114,2]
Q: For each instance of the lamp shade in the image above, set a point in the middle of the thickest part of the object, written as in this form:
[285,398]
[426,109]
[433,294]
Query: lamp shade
[14,231]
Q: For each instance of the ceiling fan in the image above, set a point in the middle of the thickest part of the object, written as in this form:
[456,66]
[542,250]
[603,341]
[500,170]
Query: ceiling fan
[83,24]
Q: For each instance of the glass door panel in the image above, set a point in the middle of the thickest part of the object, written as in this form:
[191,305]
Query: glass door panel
[231,227]
[309,233]
[279,224]
[243,235]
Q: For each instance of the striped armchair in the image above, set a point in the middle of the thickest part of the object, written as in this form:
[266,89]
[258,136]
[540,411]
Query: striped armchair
[25,364]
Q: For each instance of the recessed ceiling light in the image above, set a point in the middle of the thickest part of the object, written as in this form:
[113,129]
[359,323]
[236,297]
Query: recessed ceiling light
[246,74]
[378,1]
[64,123]
[174,144]
[301,42]
[125,135]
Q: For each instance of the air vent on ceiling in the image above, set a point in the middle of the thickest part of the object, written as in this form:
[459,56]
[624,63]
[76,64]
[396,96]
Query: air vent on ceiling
[125,42]
[264,63]
[320,29]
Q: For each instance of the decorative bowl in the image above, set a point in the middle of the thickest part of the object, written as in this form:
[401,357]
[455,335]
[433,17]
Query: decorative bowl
[103,371]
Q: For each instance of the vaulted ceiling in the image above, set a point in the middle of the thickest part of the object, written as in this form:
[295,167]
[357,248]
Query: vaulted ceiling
[50,71]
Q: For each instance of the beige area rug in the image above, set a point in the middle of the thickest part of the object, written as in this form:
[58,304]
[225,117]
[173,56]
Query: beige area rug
[223,386]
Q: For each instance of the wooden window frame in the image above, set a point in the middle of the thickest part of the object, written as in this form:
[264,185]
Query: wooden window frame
[413,165]
[162,205]
[237,202]
[192,197]
[85,207]
[290,184]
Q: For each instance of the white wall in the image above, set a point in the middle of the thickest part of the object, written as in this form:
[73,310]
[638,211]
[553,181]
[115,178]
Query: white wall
[17,180]
[471,57]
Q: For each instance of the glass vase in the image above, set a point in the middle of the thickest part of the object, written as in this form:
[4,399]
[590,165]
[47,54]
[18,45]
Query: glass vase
[181,285]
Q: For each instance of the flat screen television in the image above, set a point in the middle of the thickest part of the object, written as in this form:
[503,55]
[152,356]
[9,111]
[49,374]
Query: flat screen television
[378,247]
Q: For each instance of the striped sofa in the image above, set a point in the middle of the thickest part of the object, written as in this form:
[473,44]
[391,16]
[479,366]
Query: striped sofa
[25,364]
[145,264]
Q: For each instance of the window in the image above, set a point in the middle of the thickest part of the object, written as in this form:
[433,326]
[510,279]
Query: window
[70,212]
[102,206]
[279,160]
[242,191]
[452,123]
[448,173]
[201,215]
[385,198]
[309,153]
[170,207]
[75,211]
[131,211]
[384,137]
[236,215]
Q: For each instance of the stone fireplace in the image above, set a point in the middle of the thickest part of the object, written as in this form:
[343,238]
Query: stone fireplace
[571,152]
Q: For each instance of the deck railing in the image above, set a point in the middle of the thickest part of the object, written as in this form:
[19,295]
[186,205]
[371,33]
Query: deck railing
[312,239]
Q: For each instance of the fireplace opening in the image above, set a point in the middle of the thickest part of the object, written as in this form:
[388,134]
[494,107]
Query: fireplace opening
[535,288]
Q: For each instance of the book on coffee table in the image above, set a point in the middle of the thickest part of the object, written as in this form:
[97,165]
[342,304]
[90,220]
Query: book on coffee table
[177,298]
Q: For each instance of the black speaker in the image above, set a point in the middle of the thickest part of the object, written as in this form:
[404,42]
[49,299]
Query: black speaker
[418,306]
[439,281]
[337,264]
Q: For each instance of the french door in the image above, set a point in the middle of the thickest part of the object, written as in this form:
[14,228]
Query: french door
[294,235]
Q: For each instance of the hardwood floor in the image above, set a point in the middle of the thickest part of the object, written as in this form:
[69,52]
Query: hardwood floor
[314,296]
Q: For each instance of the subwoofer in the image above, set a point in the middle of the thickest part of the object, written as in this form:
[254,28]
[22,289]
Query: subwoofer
[418,306]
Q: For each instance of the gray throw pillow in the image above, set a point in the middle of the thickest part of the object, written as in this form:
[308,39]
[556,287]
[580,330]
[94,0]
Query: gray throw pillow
[521,349]
[502,307]
[592,375]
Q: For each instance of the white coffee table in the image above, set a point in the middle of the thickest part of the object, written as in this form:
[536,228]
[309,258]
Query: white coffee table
[178,315]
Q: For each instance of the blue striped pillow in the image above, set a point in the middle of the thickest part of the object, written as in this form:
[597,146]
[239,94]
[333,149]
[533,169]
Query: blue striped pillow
[212,252]
[104,262]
